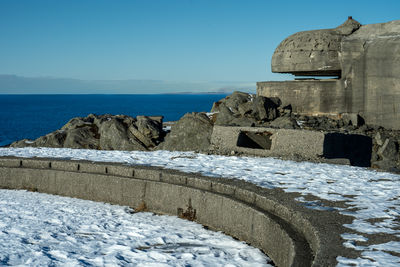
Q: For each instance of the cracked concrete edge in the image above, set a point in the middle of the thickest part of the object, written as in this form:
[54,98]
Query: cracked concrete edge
[269,219]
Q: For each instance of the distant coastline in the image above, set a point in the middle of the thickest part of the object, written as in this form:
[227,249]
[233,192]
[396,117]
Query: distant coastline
[13,84]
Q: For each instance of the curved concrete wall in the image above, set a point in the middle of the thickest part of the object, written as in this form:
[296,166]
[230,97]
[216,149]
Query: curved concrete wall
[267,219]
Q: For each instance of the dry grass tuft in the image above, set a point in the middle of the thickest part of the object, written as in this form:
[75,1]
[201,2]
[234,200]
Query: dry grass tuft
[142,207]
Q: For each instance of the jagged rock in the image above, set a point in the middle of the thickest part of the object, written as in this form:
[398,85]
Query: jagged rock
[224,116]
[79,122]
[22,143]
[284,123]
[285,111]
[115,133]
[265,109]
[385,152]
[389,149]
[191,133]
[245,108]
[232,101]
[242,109]
[150,128]
[106,132]
[84,137]
[55,139]
[324,123]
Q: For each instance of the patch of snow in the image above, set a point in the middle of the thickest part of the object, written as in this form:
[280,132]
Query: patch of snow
[324,67]
[300,123]
[46,230]
[314,205]
[372,197]
[354,237]
[166,128]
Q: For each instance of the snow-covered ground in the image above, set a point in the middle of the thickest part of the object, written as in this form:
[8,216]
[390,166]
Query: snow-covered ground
[373,197]
[45,230]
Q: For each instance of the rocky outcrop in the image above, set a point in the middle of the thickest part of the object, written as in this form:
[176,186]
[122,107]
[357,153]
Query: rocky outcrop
[346,138]
[106,132]
[191,133]
[242,109]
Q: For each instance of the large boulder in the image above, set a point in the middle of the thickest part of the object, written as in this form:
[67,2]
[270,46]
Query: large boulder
[116,133]
[265,109]
[191,133]
[242,109]
[108,132]
[385,153]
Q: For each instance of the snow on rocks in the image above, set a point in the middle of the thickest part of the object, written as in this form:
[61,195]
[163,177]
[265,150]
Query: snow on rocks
[371,197]
[45,230]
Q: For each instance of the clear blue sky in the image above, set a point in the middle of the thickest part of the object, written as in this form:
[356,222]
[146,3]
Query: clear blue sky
[163,40]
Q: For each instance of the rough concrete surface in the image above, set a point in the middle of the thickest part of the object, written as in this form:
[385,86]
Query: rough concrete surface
[308,97]
[317,146]
[284,142]
[312,52]
[269,219]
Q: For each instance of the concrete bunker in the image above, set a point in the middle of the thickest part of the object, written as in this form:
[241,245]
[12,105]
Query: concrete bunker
[360,62]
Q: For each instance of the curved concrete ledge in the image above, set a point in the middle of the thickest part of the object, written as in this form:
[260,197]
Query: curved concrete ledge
[269,219]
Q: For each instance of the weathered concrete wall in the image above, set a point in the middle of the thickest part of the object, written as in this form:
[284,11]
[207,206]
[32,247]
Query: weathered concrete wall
[284,142]
[312,52]
[269,219]
[337,148]
[370,60]
[308,52]
[307,96]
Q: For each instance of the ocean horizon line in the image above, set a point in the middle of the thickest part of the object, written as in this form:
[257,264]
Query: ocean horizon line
[177,93]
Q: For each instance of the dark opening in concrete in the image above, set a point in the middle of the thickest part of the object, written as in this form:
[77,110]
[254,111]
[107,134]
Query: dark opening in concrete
[257,140]
[316,78]
[317,73]
[356,148]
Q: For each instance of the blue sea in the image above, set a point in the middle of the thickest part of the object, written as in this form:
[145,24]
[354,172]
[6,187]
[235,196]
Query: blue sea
[31,116]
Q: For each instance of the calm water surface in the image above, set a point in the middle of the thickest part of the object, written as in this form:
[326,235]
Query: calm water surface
[31,116]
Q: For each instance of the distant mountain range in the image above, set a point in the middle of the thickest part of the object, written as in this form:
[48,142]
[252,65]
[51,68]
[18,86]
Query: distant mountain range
[13,84]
